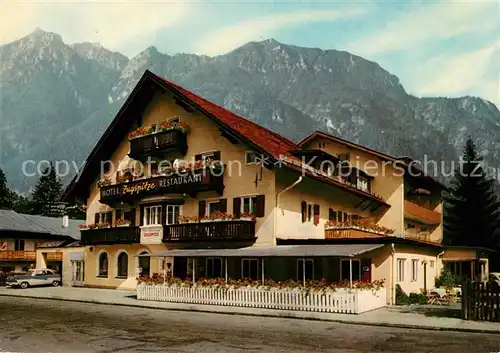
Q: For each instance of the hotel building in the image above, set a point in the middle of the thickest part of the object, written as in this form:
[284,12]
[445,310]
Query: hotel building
[208,193]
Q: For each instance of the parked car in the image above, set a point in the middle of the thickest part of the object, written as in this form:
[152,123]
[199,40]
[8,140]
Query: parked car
[35,277]
[495,278]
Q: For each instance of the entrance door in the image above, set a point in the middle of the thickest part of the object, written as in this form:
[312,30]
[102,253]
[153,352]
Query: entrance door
[78,273]
[180,267]
[144,264]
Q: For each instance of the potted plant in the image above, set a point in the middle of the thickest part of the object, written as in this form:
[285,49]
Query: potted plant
[171,125]
[122,223]
[104,182]
[188,219]
[246,216]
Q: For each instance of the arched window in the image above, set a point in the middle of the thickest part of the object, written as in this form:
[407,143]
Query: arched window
[144,264]
[103,265]
[122,265]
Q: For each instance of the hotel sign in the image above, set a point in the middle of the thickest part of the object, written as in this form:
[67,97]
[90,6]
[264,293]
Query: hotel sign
[190,183]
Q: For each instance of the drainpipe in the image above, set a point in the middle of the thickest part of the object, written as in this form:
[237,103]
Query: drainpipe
[393,282]
[437,263]
[278,203]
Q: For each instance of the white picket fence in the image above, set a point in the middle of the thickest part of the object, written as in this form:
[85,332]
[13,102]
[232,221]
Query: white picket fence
[342,301]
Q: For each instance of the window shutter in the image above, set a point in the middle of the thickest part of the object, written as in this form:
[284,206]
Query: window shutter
[223,205]
[259,209]
[237,206]
[217,155]
[316,215]
[132,216]
[201,208]
[197,157]
[96,217]
[141,220]
[303,210]
[109,216]
[154,168]
[332,215]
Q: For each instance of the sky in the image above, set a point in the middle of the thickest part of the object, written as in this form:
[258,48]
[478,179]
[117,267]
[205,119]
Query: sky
[436,48]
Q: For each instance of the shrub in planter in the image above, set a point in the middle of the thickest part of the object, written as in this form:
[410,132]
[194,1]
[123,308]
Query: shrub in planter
[401,297]
[417,298]
[447,279]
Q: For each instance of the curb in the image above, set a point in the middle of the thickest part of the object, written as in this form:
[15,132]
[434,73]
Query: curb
[277,315]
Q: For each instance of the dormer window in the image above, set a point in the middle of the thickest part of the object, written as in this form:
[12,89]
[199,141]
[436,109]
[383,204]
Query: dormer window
[251,157]
[363,183]
[208,157]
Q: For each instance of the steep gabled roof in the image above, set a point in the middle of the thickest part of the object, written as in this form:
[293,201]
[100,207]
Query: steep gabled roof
[263,140]
[271,142]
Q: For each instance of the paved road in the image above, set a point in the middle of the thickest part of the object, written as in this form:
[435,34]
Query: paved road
[37,325]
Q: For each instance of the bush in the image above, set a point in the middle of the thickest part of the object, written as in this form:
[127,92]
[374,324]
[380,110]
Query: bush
[414,298]
[447,279]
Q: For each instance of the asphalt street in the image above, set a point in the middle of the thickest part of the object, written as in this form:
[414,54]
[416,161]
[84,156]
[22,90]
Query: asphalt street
[37,325]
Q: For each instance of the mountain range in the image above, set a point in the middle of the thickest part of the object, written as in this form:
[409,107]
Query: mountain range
[57,99]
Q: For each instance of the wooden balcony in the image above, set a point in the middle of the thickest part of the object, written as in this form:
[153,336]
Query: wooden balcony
[203,231]
[189,183]
[351,233]
[422,236]
[421,214]
[54,256]
[17,255]
[115,235]
[157,144]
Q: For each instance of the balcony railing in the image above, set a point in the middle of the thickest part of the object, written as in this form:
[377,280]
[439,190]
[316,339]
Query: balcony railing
[158,143]
[422,236]
[189,183]
[16,255]
[115,235]
[352,233]
[54,256]
[216,230]
[421,214]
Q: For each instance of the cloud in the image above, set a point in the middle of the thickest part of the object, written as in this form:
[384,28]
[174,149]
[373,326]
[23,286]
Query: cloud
[116,25]
[473,72]
[227,38]
[434,22]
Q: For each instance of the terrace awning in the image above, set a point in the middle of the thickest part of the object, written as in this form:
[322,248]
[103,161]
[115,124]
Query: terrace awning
[339,250]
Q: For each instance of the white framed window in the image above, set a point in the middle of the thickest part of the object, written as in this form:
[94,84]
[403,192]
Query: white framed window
[363,183]
[250,268]
[345,269]
[401,270]
[251,157]
[305,266]
[104,217]
[213,206]
[213,267]
[249,204]
[173,213]
[414,270]
[125,214]
[208,157]
[19,244]
[152,215]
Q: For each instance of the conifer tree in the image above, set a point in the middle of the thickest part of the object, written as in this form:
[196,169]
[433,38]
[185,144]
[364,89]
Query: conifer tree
[6,196]
[45,198]
[472,207]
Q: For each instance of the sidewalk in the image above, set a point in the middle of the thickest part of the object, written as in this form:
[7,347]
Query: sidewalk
[421,317]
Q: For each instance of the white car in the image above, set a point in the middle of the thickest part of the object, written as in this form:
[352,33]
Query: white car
[495,278]
[37,277]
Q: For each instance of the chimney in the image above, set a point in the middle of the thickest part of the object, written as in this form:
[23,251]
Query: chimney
[65,221]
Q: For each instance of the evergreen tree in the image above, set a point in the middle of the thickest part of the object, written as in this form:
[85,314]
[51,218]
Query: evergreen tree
[6,196]
[45,198]
[472,207]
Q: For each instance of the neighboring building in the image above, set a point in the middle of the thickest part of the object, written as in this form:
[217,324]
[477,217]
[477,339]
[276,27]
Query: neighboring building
[72,260]
[371,225]
[21,235]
